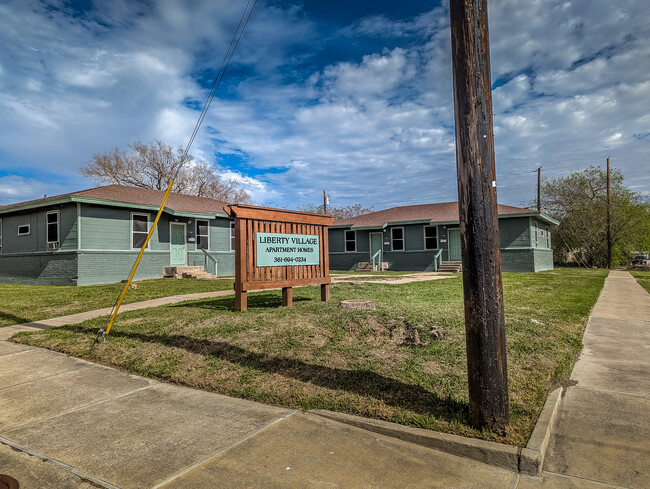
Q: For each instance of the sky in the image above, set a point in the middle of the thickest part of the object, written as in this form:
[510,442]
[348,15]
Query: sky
[352,97]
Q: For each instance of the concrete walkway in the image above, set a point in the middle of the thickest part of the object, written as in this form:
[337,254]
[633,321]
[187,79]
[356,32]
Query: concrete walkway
[67,423]
[8,331]
[602,432]
[388,279]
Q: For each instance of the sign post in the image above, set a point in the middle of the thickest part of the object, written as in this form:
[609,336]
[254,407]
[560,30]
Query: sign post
[276,248]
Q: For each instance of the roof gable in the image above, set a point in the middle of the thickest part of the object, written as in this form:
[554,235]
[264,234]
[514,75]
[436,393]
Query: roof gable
[444,212]
[133,196]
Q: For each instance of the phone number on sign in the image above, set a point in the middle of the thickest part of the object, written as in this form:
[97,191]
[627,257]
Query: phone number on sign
[289,259]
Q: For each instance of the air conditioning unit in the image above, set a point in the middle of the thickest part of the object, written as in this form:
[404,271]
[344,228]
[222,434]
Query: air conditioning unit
[53,246]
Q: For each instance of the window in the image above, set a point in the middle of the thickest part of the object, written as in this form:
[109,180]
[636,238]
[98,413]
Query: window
[24,230]
[350,241]
[398,238]
[430,238]
[52,219]
[548,238]
[140,229]
[202,238]
[232,236]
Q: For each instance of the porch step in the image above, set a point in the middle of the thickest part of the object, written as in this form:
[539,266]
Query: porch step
[366,266]
[451,267]
[188,272]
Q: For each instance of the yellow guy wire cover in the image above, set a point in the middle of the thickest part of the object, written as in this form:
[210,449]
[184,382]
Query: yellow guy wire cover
[137,262]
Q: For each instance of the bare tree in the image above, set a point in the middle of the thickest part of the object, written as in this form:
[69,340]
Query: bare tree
[343,212]
[153,165]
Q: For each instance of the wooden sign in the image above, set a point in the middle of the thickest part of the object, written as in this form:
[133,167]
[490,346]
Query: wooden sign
[276,248]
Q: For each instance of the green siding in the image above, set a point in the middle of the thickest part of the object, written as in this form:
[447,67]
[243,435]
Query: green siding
[105,228]
[413,237]
[518,253]
[337,240]
[346,261]
[514,232]
[220,235]
[410,261]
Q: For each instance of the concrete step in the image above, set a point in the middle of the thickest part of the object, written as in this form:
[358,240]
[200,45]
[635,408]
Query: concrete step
[451,267]
[365,266]
[187,272]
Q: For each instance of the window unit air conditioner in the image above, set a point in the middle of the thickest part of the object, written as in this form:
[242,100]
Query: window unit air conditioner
[53,246]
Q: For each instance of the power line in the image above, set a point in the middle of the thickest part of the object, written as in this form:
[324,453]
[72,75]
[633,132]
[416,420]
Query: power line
[220,74]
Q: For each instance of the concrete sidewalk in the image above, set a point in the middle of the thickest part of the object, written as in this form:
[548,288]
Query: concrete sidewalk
[602,432]
[67,423]
[95,425]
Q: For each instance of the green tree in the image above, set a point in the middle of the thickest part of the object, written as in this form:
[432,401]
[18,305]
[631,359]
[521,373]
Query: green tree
[579,203]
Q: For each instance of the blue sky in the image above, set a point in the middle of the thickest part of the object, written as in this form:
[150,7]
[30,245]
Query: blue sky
[351,97]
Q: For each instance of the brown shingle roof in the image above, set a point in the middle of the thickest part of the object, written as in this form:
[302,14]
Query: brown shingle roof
[442,212]
[134,195]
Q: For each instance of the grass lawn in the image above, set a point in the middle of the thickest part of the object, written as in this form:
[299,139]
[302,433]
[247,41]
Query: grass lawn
[382,364]
[643,278]
[25,303]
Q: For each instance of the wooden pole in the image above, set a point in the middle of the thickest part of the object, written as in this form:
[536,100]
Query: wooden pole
[539,189]
[479,227]
[241,295]
[609,220]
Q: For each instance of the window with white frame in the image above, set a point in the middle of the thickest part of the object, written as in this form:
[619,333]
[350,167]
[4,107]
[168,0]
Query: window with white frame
[52,219]
[430,238]
[232,236]
[350,241]
[397,235]
[24,230]
[548,237]
[202,234]
[140,229]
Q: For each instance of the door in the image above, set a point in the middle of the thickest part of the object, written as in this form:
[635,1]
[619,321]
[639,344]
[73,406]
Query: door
[453,235]
[375,246]
[177,244]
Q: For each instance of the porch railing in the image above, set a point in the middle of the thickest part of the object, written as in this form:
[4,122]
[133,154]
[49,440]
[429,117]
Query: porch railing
[437,260]
[376,258]
[212,260]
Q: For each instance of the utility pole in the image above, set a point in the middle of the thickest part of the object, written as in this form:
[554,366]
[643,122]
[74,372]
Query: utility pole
[479,226]
[539,189]
[609,220]
[325,202]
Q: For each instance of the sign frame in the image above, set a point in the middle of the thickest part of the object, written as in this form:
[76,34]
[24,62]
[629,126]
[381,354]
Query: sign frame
[251,220]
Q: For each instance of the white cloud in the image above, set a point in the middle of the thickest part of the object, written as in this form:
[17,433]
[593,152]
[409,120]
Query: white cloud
[573,87]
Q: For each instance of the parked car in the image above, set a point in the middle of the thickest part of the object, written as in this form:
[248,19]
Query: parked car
[640,260]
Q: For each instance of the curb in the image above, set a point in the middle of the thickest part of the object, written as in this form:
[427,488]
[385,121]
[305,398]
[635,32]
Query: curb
[532,457]
[528,460]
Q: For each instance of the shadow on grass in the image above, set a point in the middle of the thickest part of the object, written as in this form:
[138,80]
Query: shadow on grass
[361,382]
[256,300]
[14,319]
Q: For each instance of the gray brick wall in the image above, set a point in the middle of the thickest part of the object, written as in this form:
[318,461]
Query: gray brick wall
[45,268]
